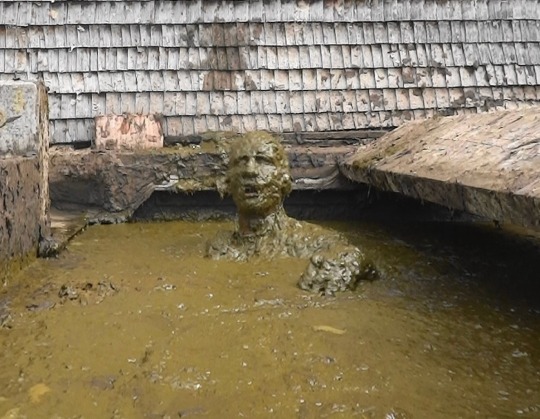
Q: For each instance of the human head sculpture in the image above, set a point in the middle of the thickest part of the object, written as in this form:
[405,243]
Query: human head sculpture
[258,176]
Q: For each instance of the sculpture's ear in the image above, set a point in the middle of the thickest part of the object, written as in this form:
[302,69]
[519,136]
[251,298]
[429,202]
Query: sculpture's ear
[222,180]
[287,184]
[222,184]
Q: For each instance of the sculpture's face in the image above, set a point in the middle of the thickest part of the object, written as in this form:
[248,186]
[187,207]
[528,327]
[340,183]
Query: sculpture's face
[258,174]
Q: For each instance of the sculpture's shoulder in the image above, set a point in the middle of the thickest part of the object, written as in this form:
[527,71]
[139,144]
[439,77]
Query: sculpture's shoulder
[285,237]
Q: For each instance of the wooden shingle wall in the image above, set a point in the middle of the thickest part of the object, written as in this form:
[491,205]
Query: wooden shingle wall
[304,65]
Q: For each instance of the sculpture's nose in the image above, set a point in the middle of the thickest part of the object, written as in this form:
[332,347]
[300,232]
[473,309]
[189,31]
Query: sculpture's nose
[249,167]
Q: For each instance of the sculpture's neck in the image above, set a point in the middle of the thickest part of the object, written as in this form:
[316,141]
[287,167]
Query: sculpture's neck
[251,225]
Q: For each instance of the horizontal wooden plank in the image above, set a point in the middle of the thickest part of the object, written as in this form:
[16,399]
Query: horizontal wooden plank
[249,34]
[271,58]
[277,80]
[329,118]
[286,102]
[62,12]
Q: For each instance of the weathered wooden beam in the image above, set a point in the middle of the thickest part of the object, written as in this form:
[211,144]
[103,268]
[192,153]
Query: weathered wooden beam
[485,164]
[321,139]
[118,182]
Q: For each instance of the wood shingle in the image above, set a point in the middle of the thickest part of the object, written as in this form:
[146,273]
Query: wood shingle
[272,64]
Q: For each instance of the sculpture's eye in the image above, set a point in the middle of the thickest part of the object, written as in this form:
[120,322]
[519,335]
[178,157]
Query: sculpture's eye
[264,159]
[240,160]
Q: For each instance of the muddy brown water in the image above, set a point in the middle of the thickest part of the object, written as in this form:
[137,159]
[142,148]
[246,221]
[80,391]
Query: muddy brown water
[131,322]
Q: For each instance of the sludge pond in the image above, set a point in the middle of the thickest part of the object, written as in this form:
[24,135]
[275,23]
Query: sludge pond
[132,322]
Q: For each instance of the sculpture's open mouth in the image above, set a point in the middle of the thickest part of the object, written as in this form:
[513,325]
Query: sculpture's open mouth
[251,191]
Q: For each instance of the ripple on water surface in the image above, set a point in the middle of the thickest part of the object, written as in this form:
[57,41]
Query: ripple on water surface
[131,322]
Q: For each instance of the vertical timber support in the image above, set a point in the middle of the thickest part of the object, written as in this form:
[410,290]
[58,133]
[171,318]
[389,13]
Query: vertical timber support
[24,186]
[43,160]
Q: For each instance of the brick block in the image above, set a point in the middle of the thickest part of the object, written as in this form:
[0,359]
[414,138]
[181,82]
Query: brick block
[128,132]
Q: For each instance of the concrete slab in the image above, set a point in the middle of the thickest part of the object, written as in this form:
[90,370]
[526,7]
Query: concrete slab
[485,164]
